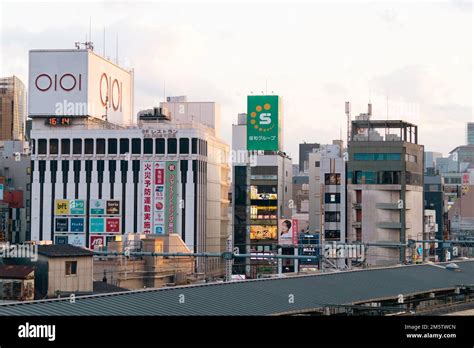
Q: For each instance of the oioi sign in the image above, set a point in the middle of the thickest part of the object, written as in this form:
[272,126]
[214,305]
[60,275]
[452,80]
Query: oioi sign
[263,122]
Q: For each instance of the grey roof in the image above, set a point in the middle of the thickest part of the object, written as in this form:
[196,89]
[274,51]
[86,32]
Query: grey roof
[63,250]
[259,297]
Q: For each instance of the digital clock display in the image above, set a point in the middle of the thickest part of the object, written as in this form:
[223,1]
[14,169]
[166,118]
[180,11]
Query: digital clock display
[58,121]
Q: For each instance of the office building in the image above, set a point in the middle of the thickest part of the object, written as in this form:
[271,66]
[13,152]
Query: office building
[12,108]
[96,176]
[262,185]
[430,159]
[384,188]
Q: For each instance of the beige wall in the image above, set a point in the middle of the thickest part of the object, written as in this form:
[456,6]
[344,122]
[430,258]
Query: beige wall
[58,280]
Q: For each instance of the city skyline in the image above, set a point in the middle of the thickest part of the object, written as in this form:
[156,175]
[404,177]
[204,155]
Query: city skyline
[376,53]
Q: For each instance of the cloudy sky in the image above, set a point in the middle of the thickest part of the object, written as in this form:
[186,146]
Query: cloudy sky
[412,60]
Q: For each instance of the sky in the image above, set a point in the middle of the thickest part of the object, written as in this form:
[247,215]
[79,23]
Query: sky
[412,60]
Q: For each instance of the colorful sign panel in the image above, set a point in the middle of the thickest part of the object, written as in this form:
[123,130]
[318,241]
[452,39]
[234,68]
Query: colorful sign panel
[263,122]
[61,240]
[77,207]
[61,207]
[113,207]
[97,225]
[96,241]
[61,225]
[171,196]
[77,225]
[112,225]
[262,232]
[159,199]
[97,207]
[77,240]
[1,192]
[147,197]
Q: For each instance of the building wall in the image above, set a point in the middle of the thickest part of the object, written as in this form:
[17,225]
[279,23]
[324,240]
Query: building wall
[58,280]
[12,108]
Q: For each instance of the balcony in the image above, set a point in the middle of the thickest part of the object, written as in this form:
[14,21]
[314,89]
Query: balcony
[391,206]
[387,224]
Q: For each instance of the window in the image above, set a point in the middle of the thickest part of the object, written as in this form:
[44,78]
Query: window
[41,146]
[28,187]
[65,147]
[160,146]
[332,179]
[184,146]
[33,145]
[410,158]
[172,145]
[136,146]
[100,146]
[331,216]
[71,267]
[76,146]
[89,146]
[377,157]
[148,146]
[53,146]
[112,146]
[334,198]
[194,146]
[388,178]
[124,146]
[332,235]
[317,164]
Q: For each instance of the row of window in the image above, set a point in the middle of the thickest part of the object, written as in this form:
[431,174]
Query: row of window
[383,178]
[112,146]
[377,156]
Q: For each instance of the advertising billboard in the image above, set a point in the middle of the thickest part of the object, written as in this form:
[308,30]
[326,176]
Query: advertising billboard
[97,225]
[263,122]
[159,199]
[77,207]
[1,192]
[61,240]
[61,225]
[78,83]
[61,207]
[171,196]
[97,207]
[147,185]
[96,241]
[309,246]
[77,225]
[77,239]
[263,192]
[113,207]
[112,225]
[262,232]
[288,232]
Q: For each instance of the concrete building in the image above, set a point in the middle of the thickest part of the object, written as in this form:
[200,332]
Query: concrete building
[15,175]
[12,108]
[262,188]
[327,196]
[435,200]
[304,150]
[300,194]
[384,187]
[430,232]
[461,220]
[95,177]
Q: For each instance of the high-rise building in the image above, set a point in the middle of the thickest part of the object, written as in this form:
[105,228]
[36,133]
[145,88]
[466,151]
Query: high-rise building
[430,159]
[304,150]
[384,188]
[470,133]
[262,190]
[12,108]
[96,176]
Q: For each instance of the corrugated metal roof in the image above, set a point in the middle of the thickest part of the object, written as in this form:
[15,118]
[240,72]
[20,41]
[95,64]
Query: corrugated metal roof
[63,250]
[259,297]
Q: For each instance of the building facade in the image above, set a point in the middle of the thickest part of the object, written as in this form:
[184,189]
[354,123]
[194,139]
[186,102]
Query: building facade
[12,108]
[385,188]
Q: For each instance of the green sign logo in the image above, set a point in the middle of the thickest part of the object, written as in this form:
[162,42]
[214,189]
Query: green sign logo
[262,122]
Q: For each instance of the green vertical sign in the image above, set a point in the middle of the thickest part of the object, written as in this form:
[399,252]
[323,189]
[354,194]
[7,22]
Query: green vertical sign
[263,122]
[171,196]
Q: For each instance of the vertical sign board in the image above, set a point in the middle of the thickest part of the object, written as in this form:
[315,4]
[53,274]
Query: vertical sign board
[1,192]
[171,196]
[263,122]
[159,199]
[147,186]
